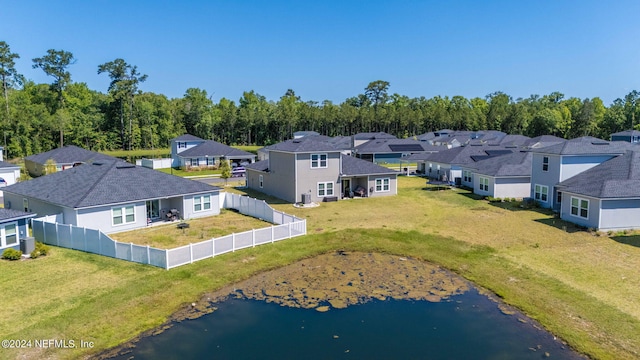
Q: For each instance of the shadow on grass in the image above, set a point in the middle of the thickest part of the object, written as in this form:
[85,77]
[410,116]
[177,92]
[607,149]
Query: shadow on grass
[561,225]
[261,196]
[633,240]
[436,188]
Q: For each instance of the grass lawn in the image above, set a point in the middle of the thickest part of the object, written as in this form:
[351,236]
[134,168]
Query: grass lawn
[167,235]
[183,173]
[582,287]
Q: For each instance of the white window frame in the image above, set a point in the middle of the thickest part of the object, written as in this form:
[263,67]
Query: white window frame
[383,184]
[319,159]
[203,201]
[467,176]
[579,207]
[325,189]
[197,162]
[260,181]
[545,163]
[484,183]
[538,192]
[211,161]
[123,214]
[3,235]
[182,145]
[25,204]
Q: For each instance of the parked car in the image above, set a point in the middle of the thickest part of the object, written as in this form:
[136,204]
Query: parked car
[238,172]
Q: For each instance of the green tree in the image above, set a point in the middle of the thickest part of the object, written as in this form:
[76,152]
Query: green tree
[55,64]
[8,75]
[226,170]
[376,92]
[125,79]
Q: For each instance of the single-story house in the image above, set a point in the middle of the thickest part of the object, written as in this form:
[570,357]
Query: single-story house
[505,176]
[632,136]
[13,228]
[606,196]
[9,174]
[62,158]
[113,196]
[211,153]
[392,150]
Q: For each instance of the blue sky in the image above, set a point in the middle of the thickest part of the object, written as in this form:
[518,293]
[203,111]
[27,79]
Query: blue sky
[331,50]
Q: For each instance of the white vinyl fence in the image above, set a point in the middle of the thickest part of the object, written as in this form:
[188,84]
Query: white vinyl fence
[48,231]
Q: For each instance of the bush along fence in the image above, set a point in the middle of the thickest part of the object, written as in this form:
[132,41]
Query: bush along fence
[48,231]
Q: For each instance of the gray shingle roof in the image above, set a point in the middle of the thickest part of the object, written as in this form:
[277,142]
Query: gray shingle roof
[464,155]
[627,133]
[214,148]
[305,144]
[586,145]
[373,135]
[262,165]
[69,154]
[514,164]
[352,166]
[385,146]
[618,177]
[544,141]
[8,165]
[106,182]
[11,214]
[187,137]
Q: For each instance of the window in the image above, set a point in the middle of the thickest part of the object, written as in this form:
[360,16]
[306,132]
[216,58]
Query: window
[182,145]
[545,163]
[10,235]
[541,193]
[318,161]
[559,197]
[194,162]
[123,215]
[382,184]
[580,207]
[211,161]
[466,175]
[260,181]
[325,189]
[484,183]
[25,204]
[201,203]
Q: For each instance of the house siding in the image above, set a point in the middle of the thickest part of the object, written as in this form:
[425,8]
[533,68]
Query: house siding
[175,159]
[574,165]
[22,232]
[592,221]
[476,185]
[393,185]
[309,178]
[547,178]
[280,181]
[511,187]
[619,214]
[10,175]
[13,201]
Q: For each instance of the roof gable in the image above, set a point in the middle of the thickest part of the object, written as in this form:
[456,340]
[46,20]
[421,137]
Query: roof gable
[352,166]
[187,137]
[214,148]
[69,154]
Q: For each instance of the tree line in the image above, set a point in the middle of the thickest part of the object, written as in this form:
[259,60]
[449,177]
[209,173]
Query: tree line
[40,117]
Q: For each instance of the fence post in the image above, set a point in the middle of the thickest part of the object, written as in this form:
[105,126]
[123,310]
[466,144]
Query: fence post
[130,251]
[305,226]
[289,230]
[272,234]
[166,259]
[148,256]
[233,242]
[253,237]
[84,236]
[190,253]
[213,247]
[44,233]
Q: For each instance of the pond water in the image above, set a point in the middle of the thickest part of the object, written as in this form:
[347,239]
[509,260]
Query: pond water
[464,326]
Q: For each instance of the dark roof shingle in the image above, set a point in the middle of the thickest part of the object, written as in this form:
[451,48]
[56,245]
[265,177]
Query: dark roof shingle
[69,154]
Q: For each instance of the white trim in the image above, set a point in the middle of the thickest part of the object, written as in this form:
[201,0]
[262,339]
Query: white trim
[383,187]
[480,181]
[535,192]
[3,235]
[579,207]
[543,163]
[319,161]
[325,188]
[202,202]
[123,215]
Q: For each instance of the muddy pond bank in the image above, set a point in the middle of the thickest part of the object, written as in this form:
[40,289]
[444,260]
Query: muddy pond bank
[334,281]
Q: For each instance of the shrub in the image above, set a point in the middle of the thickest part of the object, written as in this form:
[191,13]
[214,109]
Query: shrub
[40,250]
[12,254]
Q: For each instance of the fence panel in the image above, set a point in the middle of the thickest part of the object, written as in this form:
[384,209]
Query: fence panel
[243,240]
[93,241]
[158,257]
[123,251]
[51,234]
[64,235]
[178,256]
[37,228]
[202,250]
[139,254]
[78,238]
[223,244]
[263,236]
[107,245]
[280,232]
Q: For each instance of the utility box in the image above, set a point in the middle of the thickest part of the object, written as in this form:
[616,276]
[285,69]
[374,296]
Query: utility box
[306,198]
[27,245]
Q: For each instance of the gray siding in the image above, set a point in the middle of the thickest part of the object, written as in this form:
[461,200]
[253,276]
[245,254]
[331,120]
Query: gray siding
[547,178]
[574,165]
[308,178]
[393,185]
[592,221]
[12,201]
[476,185]
[620,214]
[21,232]
[512,187]
[280,180]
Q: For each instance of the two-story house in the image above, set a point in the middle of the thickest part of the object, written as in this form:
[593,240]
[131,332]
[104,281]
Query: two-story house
[556,163]
[313,169]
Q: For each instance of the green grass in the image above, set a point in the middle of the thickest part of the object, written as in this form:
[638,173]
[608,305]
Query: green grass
[192,172]
[582,287]
[148,153]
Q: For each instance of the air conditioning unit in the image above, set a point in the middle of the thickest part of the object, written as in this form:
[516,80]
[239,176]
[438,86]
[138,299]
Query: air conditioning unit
[306,198]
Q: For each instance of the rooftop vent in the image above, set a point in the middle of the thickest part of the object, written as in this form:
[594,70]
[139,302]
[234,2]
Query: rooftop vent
[599,143]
